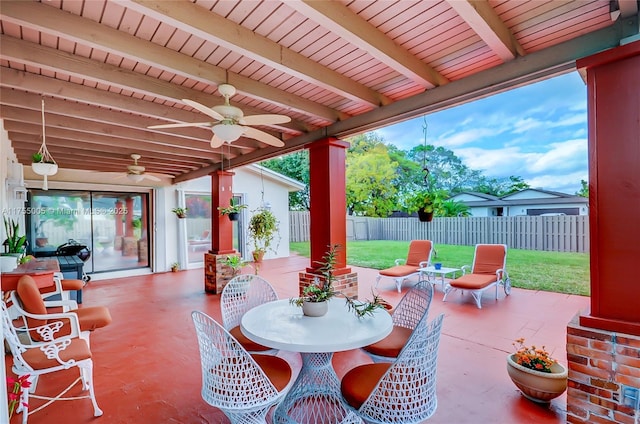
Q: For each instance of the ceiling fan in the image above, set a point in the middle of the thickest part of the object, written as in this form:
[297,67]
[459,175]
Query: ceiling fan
[136,172]
[230,123]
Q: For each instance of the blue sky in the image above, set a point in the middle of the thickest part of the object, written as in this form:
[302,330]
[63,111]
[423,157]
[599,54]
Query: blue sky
[537,132]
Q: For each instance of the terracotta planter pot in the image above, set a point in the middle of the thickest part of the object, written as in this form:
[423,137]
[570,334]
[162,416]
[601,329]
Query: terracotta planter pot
[314,309]
[257,256]
[538,386]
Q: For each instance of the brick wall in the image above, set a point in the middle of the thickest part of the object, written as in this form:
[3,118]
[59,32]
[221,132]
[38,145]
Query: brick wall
[216,273]
[600,364]
[346,284]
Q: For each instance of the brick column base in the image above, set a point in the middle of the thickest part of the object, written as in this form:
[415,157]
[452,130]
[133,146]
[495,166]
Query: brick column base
[216,273]
[346,284]
[601,365]
[129,246]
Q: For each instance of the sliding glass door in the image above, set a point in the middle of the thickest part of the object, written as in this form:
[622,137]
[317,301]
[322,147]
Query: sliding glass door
[114,226]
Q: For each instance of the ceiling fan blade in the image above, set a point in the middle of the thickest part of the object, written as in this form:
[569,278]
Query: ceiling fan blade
[216,142]
[266,119]
[263,137]
[202,108]
[151,177]
[182,125]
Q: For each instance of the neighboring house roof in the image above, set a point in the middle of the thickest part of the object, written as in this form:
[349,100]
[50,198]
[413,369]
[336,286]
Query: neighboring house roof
[523,197]
[289,183]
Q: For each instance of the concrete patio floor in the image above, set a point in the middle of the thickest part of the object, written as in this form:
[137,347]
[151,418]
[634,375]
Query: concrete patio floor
[147,367]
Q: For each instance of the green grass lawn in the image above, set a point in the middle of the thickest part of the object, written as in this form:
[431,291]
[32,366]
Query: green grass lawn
[529,269]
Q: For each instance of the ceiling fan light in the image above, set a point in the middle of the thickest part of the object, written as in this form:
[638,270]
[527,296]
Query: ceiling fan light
[228,132]
[136,178]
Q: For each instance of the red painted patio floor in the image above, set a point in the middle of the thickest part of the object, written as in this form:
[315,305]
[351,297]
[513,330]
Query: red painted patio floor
[147,367]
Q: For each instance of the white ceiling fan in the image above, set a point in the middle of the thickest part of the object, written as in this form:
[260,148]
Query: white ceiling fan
[136,172]
[230,123]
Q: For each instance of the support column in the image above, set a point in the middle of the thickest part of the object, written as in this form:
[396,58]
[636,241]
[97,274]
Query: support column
[129,242]
[216,273]
[117,242]
[143,243]
[603,344]
[221,229]
[613,78]
[328,211]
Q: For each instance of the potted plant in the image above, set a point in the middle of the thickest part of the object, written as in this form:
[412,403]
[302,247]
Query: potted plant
[263,228]
[539,377]
[315,296]
[426,202]
[175,267]
[14,245]
[43,164]
[236,264]
[180,212]
[421,201]
[233,211]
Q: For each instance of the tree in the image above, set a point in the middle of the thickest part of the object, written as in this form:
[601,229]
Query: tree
[584,189]
[296,166]
[370,189]
[453,208]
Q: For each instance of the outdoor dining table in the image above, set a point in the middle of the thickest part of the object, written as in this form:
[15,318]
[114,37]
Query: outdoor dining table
[315,395]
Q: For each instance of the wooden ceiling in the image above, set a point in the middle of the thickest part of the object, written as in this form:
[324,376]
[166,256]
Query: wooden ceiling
[109,69]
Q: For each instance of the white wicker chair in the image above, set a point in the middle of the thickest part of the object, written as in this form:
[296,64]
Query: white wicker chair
[242,293]
[243,386]
[413,306]
[402,392]
[48,356]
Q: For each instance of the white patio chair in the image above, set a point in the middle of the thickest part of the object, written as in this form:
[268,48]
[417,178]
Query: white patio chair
[28,304]
[242,293]
[401,392]
[52,354]
[413,306]
[242,385]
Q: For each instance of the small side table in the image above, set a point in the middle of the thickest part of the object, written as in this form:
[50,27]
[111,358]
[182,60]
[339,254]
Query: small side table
[430,272]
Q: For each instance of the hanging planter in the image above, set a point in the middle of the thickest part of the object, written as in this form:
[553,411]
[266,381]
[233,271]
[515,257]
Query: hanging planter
[180,212]
[43,163]
[424,216]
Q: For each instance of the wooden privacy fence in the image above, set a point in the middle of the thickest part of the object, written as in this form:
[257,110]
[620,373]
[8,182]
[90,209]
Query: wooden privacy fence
[553,233]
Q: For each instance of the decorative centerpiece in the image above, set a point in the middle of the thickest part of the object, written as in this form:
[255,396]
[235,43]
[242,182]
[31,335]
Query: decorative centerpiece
[315,296]
[539,377]
[233,211]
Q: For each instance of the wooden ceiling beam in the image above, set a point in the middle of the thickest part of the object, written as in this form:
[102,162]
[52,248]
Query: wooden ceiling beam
[98,128]
[128,146]
[32,101]
[484,20]
[31,143]
[87,32]
[340,20]
[210,26]
[80,67]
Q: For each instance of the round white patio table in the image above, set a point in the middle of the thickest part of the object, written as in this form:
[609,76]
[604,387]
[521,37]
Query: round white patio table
[315,395]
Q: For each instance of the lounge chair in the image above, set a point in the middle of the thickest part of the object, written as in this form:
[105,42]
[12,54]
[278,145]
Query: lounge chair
[488,270]
[419,256]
